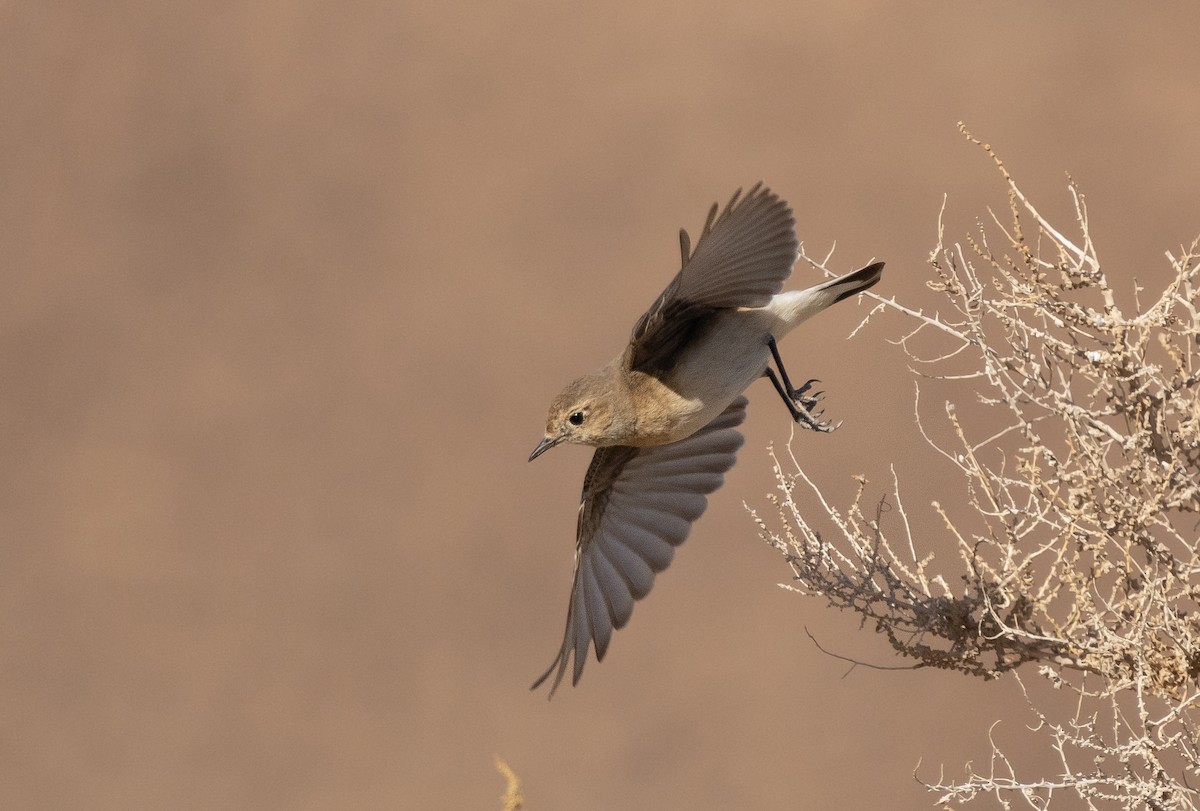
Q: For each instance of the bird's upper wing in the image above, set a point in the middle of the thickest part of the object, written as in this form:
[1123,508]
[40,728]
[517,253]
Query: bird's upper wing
[638,505]
[741,259]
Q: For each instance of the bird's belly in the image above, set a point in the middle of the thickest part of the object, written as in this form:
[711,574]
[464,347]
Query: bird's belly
[718,367]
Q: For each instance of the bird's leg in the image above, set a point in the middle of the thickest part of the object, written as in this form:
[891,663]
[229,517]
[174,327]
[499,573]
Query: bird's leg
[794,394]
[783,395]
[801,407]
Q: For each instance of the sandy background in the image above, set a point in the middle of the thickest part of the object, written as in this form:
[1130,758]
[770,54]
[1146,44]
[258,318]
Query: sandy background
[287,288]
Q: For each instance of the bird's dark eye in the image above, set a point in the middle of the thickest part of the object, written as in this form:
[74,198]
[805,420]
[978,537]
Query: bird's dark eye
[576,418]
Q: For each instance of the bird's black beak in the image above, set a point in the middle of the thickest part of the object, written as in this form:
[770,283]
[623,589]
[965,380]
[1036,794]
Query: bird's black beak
[545,445]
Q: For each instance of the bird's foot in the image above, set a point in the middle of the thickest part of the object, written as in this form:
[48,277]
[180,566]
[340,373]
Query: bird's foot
[807,403]
[811,420]
[799,404]
[804,408]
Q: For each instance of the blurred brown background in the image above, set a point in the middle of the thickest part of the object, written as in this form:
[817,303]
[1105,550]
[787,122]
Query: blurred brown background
[287,288]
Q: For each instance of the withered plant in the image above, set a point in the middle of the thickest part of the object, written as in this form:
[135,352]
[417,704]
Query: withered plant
[1072,426]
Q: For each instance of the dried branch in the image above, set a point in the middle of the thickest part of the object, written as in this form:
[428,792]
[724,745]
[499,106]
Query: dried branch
[1078,550]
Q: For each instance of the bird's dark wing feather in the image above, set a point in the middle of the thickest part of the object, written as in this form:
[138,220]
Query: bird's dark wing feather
[638,505]
[741,259]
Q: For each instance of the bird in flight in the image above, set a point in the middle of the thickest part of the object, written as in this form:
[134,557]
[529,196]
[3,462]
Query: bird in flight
[663,414]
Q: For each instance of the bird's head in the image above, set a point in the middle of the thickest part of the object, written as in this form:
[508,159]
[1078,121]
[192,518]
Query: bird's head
[590,411]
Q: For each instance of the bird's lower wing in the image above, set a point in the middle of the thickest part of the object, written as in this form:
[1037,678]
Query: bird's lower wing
[638,505]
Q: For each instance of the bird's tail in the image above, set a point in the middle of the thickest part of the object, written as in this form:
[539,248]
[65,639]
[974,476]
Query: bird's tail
[794,307]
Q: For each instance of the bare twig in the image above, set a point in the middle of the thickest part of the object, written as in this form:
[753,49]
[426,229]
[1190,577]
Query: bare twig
[1076,529]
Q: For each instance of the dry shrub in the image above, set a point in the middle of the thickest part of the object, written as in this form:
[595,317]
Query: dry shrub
[1078,554]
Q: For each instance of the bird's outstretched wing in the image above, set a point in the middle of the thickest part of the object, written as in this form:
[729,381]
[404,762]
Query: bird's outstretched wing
[638,505]
[741,259]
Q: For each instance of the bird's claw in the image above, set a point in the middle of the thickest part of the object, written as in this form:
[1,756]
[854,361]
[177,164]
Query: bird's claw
[813,422]
[800,392]
[803,408]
